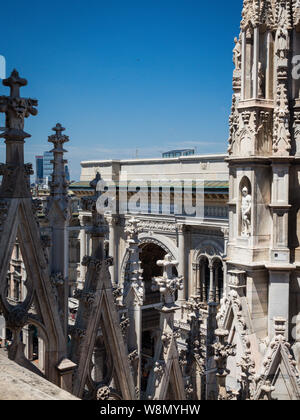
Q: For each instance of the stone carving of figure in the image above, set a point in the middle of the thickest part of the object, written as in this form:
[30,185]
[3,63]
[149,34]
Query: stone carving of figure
[246,212]
[282,43]
[260,81]
[237,55]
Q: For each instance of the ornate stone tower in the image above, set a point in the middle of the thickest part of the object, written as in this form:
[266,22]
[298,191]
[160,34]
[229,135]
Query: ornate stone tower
[264,155]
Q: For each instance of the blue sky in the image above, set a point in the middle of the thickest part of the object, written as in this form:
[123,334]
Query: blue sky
[124,75]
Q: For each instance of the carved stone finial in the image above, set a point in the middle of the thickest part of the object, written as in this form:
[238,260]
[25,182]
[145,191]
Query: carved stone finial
[132,229]
[16,108]
[58,129]
[168,284]
[222,350]
[59,185]
[58,138]
[15,83]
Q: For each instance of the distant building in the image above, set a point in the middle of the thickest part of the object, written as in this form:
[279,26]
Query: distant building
[47,167]
[39,162]
[178,153]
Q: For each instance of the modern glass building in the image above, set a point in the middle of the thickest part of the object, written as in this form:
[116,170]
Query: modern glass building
[39,171]
[178,153]
[48,166]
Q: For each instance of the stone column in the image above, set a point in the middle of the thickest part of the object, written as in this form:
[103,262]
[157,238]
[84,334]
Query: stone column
[194,288]
[216,286]
[225,232]
[113,221]
[2,330]
[248,65]
[28,342]
[255,62]
[3,336]
[198,280]
[203,283]
[243,82]
[279,267]
[270,67]
[82,238]
[211,386]
[41,355]
[211,282]
[279,287]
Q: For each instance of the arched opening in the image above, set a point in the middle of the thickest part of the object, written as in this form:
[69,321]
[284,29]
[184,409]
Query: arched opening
[34,346]
[204,277]
[209,278]
[151,253]
[218,280]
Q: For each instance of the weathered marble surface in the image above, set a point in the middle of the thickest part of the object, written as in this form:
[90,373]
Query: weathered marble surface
[17,383]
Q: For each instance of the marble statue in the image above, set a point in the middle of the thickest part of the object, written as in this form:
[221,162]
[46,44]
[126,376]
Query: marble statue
[237,54]
[246,212]
[260,81]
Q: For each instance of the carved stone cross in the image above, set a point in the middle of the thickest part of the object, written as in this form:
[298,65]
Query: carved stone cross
[15,83]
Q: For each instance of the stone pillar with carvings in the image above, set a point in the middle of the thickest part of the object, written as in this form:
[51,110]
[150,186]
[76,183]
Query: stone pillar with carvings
[264,171]
[182,269]
[134,294]
[222,350]
[168,285]
[83,250]
[196,354]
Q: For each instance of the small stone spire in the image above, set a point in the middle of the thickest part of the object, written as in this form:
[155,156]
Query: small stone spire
[59,186]
[132,229]
[134,295]
[58,213]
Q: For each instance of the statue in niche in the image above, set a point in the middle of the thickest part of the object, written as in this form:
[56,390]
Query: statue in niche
[282,43]
[246,212]
[260,81]
[237,54]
